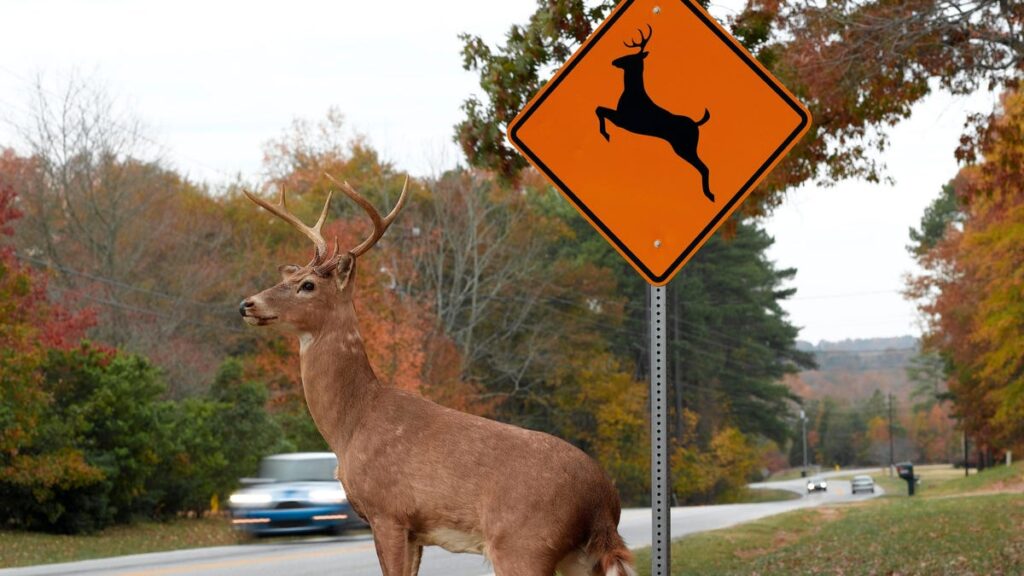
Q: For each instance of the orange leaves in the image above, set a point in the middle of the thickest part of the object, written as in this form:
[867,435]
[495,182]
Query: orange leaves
[65,469]
[973,291]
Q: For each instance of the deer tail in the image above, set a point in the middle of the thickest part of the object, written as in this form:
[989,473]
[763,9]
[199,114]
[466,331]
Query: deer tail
[613,558]
[704,118]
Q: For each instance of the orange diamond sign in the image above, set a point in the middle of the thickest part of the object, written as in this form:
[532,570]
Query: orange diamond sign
[657,128]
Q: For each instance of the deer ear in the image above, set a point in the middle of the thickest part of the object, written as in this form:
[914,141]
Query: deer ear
[287,270]
[344,273]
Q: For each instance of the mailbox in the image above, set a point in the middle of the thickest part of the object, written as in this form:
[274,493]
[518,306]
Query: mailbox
[905,470]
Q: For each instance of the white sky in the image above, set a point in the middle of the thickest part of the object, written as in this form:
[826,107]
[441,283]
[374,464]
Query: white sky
[216,80]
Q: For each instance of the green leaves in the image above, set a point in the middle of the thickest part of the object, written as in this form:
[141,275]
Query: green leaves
[107,447]
[512,73]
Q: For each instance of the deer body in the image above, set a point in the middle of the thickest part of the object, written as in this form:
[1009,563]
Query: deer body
[636,112]
[422,474]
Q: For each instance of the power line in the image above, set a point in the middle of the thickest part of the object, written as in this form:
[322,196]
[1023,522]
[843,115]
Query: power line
[130,307]
[147,311]
[112,282]
[846,295]
[599,323]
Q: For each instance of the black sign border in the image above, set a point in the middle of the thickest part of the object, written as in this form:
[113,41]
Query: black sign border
[747,59]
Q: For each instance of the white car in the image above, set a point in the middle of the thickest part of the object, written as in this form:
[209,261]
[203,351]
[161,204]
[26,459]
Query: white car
[862,484]
[817,483]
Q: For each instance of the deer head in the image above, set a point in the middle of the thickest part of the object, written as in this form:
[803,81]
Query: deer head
[634,60]
[306,294]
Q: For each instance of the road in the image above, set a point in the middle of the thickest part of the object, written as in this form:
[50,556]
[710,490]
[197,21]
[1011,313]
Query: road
[355,556]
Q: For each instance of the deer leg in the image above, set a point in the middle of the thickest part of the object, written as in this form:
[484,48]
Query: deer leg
[392,543]
[690,155]
[704,176]
[602,114]
[415,555]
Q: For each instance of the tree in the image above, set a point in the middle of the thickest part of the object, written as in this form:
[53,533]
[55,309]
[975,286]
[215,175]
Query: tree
[214,440]
[731,341]
[943,212]
[30,325]
[970,292]
[122,231]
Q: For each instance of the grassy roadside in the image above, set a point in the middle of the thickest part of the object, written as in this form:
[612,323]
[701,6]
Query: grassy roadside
[792,474]
[954,526]
[757,495]
[28,548]
[941,531]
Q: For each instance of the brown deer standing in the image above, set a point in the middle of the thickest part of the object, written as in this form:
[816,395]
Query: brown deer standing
[637,113]
[422,474]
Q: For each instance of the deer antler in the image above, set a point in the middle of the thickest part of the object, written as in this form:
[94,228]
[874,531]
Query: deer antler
[643,39]
[313,233]
[380,225]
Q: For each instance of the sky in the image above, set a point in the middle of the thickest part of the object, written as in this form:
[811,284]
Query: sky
[214,81]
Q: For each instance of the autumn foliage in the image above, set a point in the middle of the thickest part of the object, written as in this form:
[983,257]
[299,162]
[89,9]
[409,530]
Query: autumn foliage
[30,326]
[972,291]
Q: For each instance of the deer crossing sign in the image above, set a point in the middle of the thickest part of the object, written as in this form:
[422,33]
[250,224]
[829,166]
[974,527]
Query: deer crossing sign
[657,128]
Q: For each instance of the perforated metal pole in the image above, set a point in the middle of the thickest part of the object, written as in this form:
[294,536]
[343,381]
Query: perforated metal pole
[661,531]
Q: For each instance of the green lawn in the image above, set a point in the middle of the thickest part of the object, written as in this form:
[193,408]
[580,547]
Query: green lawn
[955,526]
[756,495]
[27,548]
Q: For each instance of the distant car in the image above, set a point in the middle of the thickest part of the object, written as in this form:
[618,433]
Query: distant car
[294,493]
[817,483]
[862,484]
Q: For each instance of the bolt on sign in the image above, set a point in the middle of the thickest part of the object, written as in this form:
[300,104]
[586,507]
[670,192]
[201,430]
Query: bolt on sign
[657,128]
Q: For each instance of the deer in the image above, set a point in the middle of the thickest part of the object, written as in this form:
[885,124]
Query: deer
[419,473]
[636,112]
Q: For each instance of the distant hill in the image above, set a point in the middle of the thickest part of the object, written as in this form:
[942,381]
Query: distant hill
[854,369]
[861,344]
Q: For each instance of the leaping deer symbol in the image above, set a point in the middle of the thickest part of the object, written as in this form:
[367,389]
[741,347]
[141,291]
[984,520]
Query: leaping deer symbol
[637,113]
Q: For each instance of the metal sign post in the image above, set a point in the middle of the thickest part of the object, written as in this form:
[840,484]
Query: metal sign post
[661,525]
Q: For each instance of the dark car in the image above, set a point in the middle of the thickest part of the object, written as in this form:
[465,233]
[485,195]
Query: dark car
[294,493]
[817,483]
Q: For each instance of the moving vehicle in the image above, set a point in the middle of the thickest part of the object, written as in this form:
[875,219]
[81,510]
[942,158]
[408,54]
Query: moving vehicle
[294,493]
[862,484]
[817,483]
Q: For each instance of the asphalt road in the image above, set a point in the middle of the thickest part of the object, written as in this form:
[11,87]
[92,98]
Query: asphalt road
[355,556]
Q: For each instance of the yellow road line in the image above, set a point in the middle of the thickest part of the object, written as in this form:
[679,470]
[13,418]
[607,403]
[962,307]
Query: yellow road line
[195,568]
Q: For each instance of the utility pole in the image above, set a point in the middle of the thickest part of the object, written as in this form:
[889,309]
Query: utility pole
[892,460]
[803,422]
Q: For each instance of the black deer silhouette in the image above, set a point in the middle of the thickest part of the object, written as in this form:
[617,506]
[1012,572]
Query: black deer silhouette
[637,113]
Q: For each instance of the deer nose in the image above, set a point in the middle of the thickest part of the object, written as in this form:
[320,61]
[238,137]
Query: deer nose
[246,304]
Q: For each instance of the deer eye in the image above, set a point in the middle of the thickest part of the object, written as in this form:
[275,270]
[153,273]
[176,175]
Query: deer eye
[307,286]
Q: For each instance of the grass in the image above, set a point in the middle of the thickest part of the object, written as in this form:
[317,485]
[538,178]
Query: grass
[956,526]
[757,495]
[792,474]
[28,548]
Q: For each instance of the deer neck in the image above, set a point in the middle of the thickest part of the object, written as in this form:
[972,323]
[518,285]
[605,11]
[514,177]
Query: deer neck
[634,79]
[337,379]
